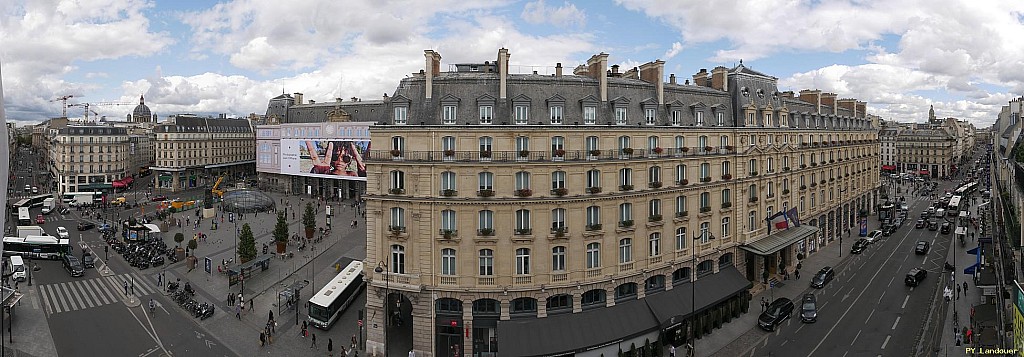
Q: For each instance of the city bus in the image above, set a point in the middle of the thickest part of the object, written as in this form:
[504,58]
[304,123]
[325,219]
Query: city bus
[954,205]
[29,202]
[965,189]
[42,247]
[327,305]
[24,218]
[82,198]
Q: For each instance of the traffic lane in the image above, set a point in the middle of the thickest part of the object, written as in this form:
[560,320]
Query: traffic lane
[91,331]
[179,332]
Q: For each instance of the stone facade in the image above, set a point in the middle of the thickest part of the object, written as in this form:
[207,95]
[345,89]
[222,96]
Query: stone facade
[192,151]
[88,157]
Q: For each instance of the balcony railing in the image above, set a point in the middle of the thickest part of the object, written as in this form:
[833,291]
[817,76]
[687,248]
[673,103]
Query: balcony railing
[526,155]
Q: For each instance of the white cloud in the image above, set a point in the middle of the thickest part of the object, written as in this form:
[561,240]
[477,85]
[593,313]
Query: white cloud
[675,50]
[567,15]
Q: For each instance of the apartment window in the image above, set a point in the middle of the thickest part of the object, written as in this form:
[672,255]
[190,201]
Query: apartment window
[398,143]
[448,180]
[650,116]
[652,144]
[591,143]
[401,115]
[769,164]
[557,180]
[397,259]
[448,220]
[485,180]
[397,180]
[725,227]
[677,118]
[522,180]
[486,114]
[523,220]
[557,146]
[680,204]
[726,196]
[753,140]
[700,117]
[768,120]
[726,168]
[625,177]
[485,220]
[723,141]
[680,173]
[522,114]
[556,114]
[593,215]
[654,174]
[654,244]
[593,178]
[680,143]
[752,165]
[398,217]
[558,258]
[486,262]
[750,120]
[705,232]
[448,114]
[448,261]
[681,238]
[705,171]
[705,200]
[702,142]
[522,143]
[620,116]
[812,200]
[720,117]
[558,218]
[593,255]
[590,115]
[625,212]
[523,261]
[625,250]
[624,143]
[752,190]
[486,144]
[448,143]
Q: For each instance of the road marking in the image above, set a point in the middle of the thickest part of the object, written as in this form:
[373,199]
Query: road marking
[855,338]
[80,294]
[905,302]
[881,297]
[886,341]
[103,297]
[844,354]
[92,293]
[66,295]
[895,323]
[799,328]
[52,304]
[783,343]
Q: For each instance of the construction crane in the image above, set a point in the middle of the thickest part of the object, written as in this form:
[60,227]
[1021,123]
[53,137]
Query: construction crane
[64,103]
[87,107]
[215,191]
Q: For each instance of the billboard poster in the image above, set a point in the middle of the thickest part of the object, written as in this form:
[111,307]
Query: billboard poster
[864,227]
[337,158]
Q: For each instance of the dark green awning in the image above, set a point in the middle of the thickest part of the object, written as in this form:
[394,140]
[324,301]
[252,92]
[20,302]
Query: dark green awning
[779,240]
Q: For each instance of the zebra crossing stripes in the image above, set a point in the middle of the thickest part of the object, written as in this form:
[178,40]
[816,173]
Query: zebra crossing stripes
[89,293]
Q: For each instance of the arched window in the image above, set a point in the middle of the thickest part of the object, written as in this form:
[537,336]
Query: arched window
[725,260]
[486,262]
[558,258]
[681,275]
[560,303]
[625,291]
[625,250]
[523,305]
[654,244]
[593,298]
[486,307]
[654,283]
[397,219]
[448,306]
[523,261]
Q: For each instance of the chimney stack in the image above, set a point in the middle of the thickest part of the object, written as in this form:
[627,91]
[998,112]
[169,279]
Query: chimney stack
[298,98]
[558,69]
[337,99]
[829,99]
[653,72]
[720,78]
[432,67]
[812,96]
[862,109]
[701,78]
[596,69]
[503,72]
[672,78]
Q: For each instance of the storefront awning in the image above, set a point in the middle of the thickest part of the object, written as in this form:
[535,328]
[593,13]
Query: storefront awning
[672,306]
[164,177]
[776,241]
[923,172]
[888,167]
[970,270]
[961,231]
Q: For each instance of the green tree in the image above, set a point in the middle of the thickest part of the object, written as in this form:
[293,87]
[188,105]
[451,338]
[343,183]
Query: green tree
[281,229]
[309,218]
[192,245]
[178,238]
[246,244]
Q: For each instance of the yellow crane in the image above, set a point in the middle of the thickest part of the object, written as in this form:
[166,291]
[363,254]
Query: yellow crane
[215,191]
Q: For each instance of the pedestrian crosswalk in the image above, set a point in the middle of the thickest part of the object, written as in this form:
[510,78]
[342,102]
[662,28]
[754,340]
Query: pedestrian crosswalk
[89,293]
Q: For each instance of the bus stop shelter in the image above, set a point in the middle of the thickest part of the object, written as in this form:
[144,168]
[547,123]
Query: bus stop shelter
[238,274]
[289,297]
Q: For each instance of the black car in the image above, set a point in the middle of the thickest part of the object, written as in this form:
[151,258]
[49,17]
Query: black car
[933,226]
[777,312]
[921,224]
[88,261]
[889,229]
[859,246]
[915,277]
[73,265]
[84,226]
[922,247]
[809,308]
[822,277]
[946,227]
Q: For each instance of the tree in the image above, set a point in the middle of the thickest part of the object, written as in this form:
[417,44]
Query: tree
[246,244]
[192,245]
[281,232]
[309,220]
[178,238]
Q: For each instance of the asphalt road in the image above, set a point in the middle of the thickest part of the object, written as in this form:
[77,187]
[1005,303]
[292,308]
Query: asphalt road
[867,310]
[88,315]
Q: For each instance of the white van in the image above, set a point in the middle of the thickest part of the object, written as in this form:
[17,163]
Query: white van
[941,212]
[18,267]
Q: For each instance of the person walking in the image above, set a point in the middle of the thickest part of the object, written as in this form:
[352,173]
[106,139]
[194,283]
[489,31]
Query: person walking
[238,312]
[313,345]
[330,347]
[263,339]
[271,320]
[796,273]
[672,351]
[303,331]
[252,305]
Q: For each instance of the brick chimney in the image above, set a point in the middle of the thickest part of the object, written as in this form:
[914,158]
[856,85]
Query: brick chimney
[433,67]
[652,72]
[701,78]
[848,104]
[558,70]
[788,94]
[503,72]
[672,78]
[597,68]
[720,78]
[298,98]
[862,109]
[813,97]
[829,99]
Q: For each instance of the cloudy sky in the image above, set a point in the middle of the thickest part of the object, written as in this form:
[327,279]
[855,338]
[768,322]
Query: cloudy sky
[962,56]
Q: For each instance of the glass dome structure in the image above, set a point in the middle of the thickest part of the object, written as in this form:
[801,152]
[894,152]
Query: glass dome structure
[247,201]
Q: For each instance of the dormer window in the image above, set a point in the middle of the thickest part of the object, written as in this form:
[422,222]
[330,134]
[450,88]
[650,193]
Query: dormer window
[744,91]
[760,93]
[448,114]
[699,115]
[486,114]
[556,114]
[522,114]
[401,115]
[620,116]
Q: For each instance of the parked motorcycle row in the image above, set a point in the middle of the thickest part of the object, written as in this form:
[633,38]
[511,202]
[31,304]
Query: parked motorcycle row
[186,299]
[139,254]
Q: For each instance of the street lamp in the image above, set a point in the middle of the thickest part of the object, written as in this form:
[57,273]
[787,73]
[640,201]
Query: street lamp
[382,267]
[700,235]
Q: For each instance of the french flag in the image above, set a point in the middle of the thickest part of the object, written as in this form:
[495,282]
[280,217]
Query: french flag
[779,221]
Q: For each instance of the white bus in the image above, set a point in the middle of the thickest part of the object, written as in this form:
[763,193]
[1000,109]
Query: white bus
[82,198]
[24,218]
[42,247]
[327,305]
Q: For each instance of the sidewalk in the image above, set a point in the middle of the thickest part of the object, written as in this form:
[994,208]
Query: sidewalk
[953,325]
[737,337]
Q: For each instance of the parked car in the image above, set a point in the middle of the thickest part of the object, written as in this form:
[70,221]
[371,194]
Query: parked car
[73,265]
[920,224]
[40,219]
[915,277]
[822,277]
[859,246]
[159,198]
[777,312]
[922,247]
[889,229]
[809,308]
[873,236]
[84,226]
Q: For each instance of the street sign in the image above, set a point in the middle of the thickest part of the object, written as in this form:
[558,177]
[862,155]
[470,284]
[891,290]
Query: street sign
[771,284]
[360,323]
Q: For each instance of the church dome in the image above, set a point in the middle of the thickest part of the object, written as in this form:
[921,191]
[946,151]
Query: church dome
[141,113]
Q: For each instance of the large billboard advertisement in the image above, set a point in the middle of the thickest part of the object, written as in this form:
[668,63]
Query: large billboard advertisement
[340,159]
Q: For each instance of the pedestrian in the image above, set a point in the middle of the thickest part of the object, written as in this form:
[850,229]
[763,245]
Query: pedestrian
[303,329]
[251,306]
[242,305]
[330,346]
[263,339]
[270,335]
[796,273]
[238,312]
[965,287]
[672,351]
[231,299]
[126,288]
[958,291]
[271,316]
[313,345]
[241,299]
[160,279]
[354,223]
